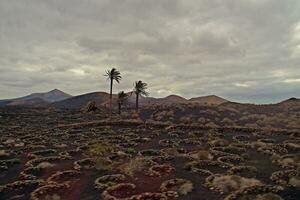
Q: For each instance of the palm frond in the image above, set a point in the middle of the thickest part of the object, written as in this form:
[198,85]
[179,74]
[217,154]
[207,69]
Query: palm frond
[113,74]
[140,88]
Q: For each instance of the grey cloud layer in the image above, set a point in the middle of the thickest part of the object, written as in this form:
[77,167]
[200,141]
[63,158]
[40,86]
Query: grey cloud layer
[246,50]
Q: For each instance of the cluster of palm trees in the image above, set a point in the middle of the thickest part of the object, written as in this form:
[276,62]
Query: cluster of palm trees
[139,90]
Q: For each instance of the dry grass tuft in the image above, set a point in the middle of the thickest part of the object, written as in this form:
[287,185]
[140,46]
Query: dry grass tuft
[268,196]
[295,182]
[185,188]
[135,165]
[230,183]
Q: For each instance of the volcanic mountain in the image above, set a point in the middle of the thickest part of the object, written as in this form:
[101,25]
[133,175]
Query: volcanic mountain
[289,101]
[58,99]
[37,99]
[171,99]
[175,99]
[77,102]
[102,99]
[209,100]
[290,104]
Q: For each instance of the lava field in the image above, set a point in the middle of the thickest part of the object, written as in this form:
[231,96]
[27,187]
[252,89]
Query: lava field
[74,156]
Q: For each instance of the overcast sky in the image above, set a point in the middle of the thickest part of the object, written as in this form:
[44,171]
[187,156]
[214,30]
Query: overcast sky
[243,50]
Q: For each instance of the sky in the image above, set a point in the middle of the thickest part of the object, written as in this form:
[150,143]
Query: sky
[242,50]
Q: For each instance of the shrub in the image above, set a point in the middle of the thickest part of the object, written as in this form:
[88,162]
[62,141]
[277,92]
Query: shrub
[56,197]
[135,165]
[211,124]
[268,196]
[295,182]
[185,188]
[185,120]
[201,120]
[229,183]
[101,149]
[130,150]
[202,155]
[103,164]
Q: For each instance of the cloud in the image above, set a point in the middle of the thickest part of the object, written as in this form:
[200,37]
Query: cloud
[78,72]
[296,80]
[241,85]
[245,50]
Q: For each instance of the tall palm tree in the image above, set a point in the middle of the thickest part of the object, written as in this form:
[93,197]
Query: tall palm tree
[122,97]
[112,75]
[139,89]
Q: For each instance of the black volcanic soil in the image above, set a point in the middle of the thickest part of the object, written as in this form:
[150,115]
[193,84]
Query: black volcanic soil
[39,143]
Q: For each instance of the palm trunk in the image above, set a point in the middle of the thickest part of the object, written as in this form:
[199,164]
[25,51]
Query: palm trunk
[110,96]
[120,108]
[137,103]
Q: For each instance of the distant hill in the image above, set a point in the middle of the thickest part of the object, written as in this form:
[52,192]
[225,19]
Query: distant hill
[289,101]
[102,98]
[152,100]
[37,98]
[34,102]
[51,96]
[290,104]
[80,101]
[61,100]
[209,100]
[172,99]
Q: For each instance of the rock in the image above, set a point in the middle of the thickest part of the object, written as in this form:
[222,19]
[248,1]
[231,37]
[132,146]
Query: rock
[4,154]
[45,165]
[60,145]
[9,141]
[21,144]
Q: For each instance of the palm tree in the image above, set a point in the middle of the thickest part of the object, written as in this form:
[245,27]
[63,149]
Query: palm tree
[122,97]
[139,89]
[112,75]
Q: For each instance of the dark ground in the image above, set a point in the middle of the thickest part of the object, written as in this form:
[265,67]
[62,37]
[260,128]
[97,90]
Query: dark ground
[35,144]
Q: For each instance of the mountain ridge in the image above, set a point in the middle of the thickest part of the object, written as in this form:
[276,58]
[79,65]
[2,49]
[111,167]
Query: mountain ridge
[47,97]
[59,99]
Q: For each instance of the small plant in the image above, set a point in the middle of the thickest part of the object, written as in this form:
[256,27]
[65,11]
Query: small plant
[56,197]
[185,188]
[201,155]
[295,182]
[138,164]
[268,196]
[252,171]
[101,149]
[229,183]
[101,152]
[110,183]
[130,150]
[103,164]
